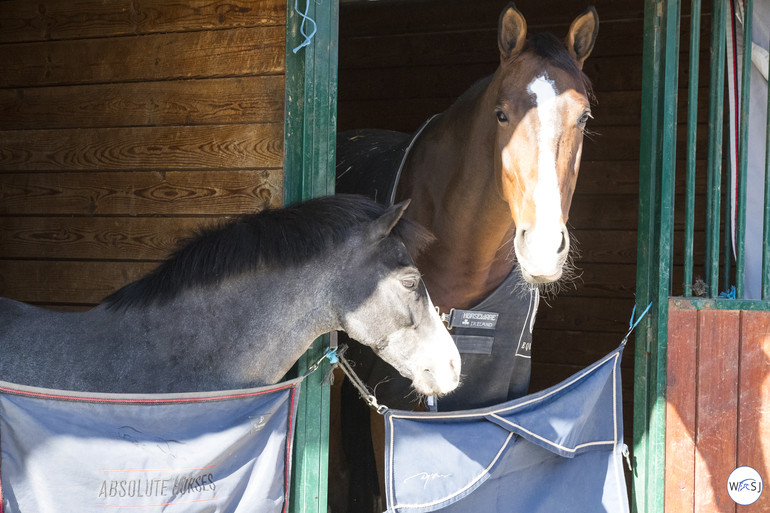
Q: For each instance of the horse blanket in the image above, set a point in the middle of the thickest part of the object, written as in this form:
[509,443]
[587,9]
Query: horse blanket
[559,450]
[220,451]
[494,337]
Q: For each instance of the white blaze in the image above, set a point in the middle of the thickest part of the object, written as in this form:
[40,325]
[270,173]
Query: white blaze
[547,196]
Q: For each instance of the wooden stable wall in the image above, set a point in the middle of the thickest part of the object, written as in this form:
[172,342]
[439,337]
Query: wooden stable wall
[718,398]
[125,124]
[401,62]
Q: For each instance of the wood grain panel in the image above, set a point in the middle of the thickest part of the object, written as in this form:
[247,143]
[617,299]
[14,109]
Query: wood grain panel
[22,20]
[140,193]
[206,54]
[451,15]
[46,282]
[109,238]
[717,407]
[123,126]
[157,148]
[569,347]
[166,15]
[754,414]
[467,46]
[448,81]
[607,315]
[681,397]
[601,247]
[601,280]
[216,101]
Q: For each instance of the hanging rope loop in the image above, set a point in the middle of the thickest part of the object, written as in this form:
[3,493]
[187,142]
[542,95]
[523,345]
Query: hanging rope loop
[302,29]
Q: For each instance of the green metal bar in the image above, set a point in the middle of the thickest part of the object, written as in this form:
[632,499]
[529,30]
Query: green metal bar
[714,182]
[766,225]
[743,152]
[309,141]
[692,126]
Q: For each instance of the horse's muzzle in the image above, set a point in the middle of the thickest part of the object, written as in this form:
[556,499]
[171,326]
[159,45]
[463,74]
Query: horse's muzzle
[541,253]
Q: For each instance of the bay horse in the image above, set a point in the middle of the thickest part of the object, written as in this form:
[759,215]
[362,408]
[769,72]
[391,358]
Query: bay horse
[492,177]
[237,305]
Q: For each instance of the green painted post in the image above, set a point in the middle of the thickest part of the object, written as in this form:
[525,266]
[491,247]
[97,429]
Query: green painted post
[743,152]
[309,142]
[646,248]
[692,125]
[648,164]
[656,210]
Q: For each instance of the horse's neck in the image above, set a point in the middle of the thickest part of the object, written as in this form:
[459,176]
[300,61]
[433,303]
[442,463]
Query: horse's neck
[451,180]
[255,326]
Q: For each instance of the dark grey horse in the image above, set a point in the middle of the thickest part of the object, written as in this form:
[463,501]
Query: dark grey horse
[237,306]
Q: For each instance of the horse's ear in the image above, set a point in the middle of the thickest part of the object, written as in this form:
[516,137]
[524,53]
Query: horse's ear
[383,226]
[582,35]
[511,32]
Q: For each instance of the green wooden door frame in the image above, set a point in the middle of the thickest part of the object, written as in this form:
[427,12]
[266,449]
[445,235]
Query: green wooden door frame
[309,148]
[656,175]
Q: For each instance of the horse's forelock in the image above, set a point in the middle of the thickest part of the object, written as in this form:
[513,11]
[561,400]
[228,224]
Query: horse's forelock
[551,49]
[414,236]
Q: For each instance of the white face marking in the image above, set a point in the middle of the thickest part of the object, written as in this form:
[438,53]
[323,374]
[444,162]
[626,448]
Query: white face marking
[547,195]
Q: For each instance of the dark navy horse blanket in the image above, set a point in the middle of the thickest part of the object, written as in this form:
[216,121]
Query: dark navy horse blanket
[559,450]
[72,451]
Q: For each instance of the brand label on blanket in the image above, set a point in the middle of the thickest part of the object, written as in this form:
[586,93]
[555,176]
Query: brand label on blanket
[473,319]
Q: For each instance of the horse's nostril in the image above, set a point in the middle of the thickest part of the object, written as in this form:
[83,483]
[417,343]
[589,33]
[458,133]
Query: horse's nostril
[563,245]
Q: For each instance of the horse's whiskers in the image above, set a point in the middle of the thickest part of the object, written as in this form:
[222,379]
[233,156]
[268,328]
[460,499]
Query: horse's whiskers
[415,396]
[570,277]
[591,134]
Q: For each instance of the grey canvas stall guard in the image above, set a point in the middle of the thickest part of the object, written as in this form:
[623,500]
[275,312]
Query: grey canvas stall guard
[496,362]
[195,452]
[559,450]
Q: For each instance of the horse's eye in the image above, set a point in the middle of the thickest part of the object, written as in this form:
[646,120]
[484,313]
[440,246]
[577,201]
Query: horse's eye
[409,283]
[584,119]
[502,118]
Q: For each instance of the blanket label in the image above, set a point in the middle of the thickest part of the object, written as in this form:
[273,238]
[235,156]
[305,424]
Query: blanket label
[473,319]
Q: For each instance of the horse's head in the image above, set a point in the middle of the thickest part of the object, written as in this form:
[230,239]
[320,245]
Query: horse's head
[542,107]
[386,305]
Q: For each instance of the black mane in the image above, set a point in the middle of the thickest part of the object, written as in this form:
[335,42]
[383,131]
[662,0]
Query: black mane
[284,237]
